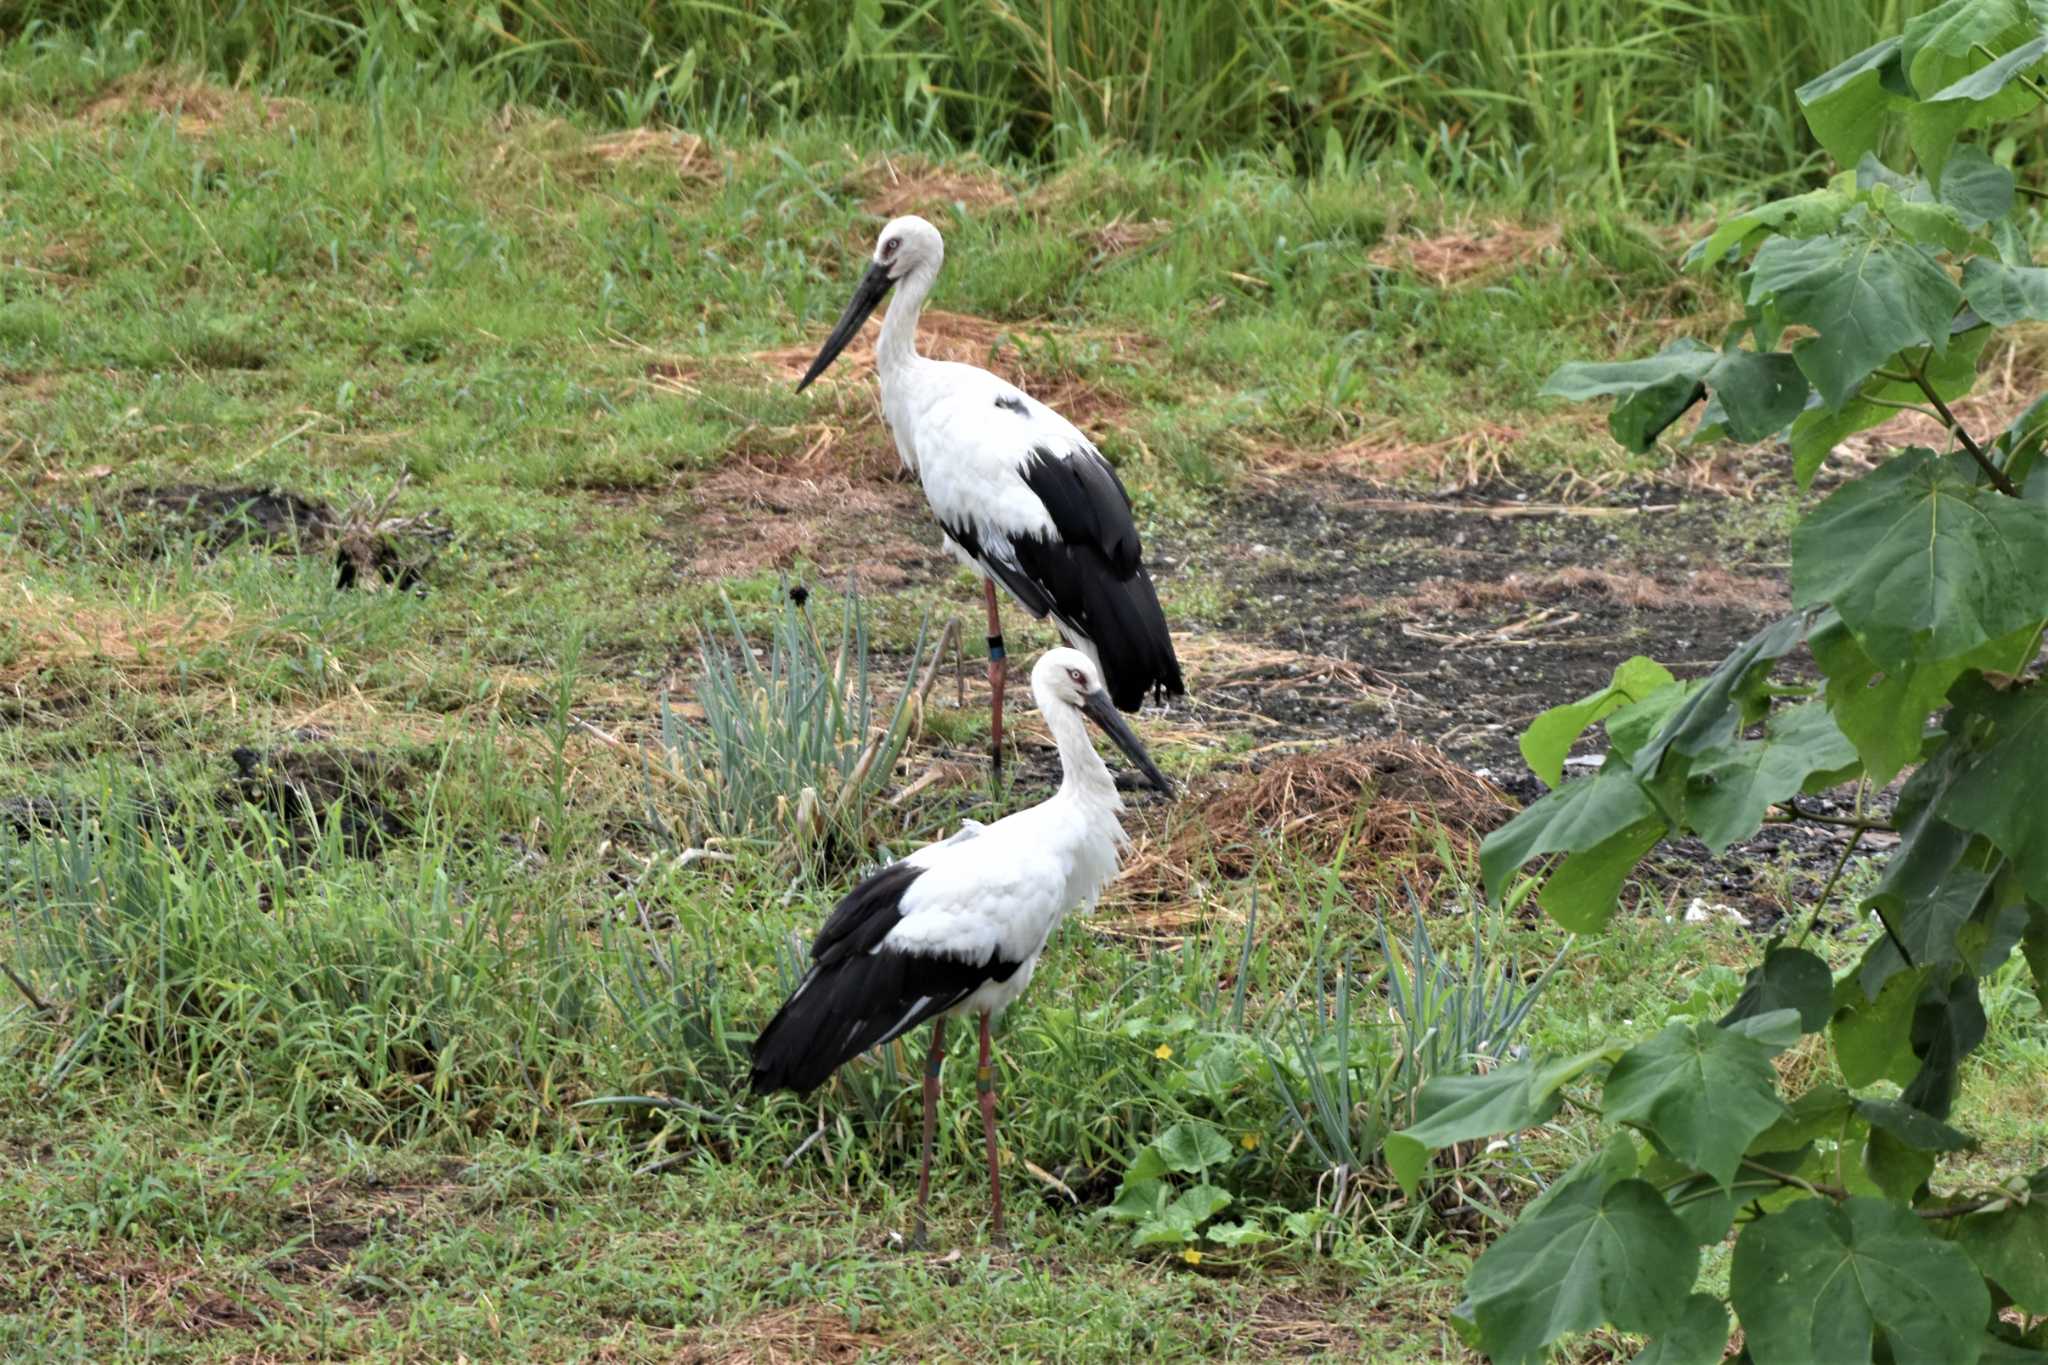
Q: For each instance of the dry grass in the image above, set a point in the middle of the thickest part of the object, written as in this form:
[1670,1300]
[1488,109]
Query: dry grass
[1462,254]
[893,186]
[1120,235]
[43,631]
[751,518]
[1465,460]
[195,108]
[687,152]
[789,1336]
[1375,808]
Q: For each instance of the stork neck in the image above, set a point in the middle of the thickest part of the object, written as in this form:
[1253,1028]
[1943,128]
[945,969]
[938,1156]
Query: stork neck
[897,346]
[1083,774]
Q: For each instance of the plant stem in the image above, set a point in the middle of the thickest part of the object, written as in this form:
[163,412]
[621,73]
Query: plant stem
[1827,890]
[1955,427]
[1817,818]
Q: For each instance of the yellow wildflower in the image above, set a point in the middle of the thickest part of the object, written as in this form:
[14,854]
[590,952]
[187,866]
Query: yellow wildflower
[1163,1052]
[1250,1142]
[1191,1256]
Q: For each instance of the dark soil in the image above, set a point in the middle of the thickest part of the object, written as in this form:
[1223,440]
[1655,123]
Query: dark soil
[369,552]
[215,518]
[1443,620]
[1478,623]
[306,788]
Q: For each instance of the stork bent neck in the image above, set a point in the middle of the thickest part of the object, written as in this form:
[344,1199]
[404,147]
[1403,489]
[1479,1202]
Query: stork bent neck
[1084,777]
[896,348]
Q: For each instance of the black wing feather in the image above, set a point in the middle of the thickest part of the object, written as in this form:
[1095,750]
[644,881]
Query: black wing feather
[857,995]
[1090,575]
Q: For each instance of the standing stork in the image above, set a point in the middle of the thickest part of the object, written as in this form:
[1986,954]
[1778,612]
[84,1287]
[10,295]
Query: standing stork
[957,927]
[1023,497]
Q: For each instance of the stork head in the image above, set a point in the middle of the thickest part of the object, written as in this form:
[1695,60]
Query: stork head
[1068,679]
[906,244]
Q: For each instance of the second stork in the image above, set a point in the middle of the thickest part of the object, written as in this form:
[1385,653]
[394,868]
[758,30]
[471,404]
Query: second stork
[1022,495]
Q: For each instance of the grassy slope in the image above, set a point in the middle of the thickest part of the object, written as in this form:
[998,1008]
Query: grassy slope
[202,286]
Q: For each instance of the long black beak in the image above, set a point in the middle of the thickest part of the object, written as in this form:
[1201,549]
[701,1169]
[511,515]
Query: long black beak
[1100,709]
[872,286]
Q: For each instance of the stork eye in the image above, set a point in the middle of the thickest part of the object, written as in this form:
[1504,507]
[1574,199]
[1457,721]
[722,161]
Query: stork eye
[1080,678]
[889,248]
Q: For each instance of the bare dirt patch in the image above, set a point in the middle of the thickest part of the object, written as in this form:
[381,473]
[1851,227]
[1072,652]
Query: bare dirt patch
[1478,611]
[1465,253]
[893,186]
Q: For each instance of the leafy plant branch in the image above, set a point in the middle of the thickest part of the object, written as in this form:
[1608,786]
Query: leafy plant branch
[1920,592]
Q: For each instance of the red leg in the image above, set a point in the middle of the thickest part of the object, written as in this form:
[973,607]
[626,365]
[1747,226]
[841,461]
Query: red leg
[985,1082]
[997,670]
[931,1120]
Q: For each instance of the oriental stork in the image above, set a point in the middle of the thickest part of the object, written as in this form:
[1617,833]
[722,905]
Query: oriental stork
[956,927]
[1022,496]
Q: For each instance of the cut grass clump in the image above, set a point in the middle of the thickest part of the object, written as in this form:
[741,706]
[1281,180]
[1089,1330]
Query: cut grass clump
[1381,812]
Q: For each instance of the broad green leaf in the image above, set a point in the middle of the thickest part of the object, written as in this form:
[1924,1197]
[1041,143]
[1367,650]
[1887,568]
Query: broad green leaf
[1452,1109]
[1178,1221]
[1948,1023]
[1873,1033]
[1730,698]
[1699,1337]
[1826,1111]
[1636,724]
[1845,106]
[1699,1091]
[2035,948]
[1895,1167]
[1596,820]
[1921,1131]
[1986,793]
[1884,712]
[1817,1280]
[1760,393]
[1582,380]
[1246,1233]
[1868,298]
[1787,978]
[1920,561]
[1803,215]
[1138,1201]
[1989,93]
[1639,419]
[1921,222]
[1950,374]
[1593,1250]
[1933,884]
[1977,188]
[2004,294]
[1550,737]
[1700,1201]
[1940,46]
[1584,889]
[1192,1147]
[2011,1246]
[1654,392]
[1731,787]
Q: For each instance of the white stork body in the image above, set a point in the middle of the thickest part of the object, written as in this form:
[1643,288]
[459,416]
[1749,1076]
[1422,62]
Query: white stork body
[1023,496]
[957,927]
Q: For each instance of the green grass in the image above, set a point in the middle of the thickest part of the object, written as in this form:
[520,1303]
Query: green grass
[297,1101]
[1665,100]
